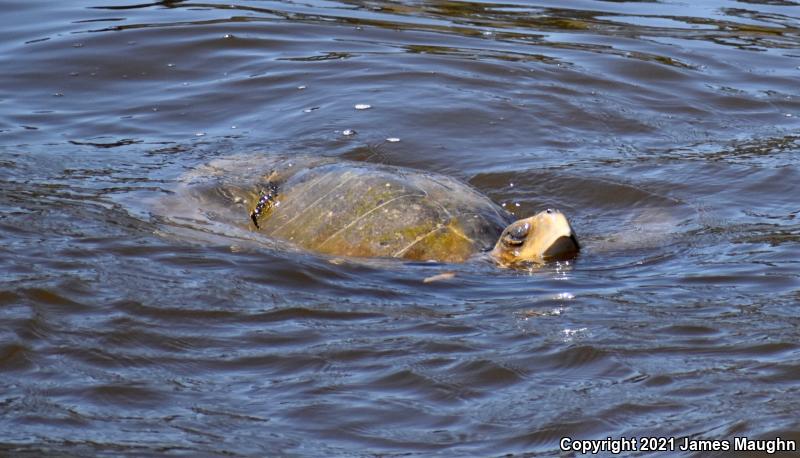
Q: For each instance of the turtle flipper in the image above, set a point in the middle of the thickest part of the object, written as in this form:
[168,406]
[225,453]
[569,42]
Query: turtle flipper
[268,198]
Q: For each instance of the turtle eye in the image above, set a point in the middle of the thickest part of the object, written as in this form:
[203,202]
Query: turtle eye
[516,234]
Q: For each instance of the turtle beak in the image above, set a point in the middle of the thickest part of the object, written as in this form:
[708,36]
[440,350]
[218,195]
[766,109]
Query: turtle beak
[560,242]
[563,248]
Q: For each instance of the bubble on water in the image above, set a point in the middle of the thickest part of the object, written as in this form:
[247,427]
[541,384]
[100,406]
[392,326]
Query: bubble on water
[487,33]
[58,94]
[788,115]
[570,333]
[309,110]
[233,127]
[227,35]
[511,185]
[565,296]
[77,45]
[503,204]
[516,204]
[170,65]
[362,106]
[200,134]
[392,139]
[533,313]
[301,87]
[348,132]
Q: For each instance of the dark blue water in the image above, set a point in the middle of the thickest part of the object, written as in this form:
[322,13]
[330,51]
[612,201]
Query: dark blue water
[668,132]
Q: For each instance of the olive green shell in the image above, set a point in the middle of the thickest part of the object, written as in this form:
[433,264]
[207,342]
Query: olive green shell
[362,209]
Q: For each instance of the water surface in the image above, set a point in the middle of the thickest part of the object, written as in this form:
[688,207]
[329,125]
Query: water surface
[667,131]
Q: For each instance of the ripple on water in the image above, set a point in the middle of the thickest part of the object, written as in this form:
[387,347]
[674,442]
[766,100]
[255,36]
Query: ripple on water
[665,131]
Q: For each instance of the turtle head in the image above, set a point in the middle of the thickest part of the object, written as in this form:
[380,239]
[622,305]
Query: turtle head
[545,236]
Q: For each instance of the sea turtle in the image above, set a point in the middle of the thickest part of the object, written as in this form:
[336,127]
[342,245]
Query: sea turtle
[360,209]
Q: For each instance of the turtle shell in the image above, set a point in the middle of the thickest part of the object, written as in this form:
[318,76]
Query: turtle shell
[366,210]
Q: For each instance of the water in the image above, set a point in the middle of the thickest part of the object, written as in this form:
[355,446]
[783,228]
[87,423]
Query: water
[668,132]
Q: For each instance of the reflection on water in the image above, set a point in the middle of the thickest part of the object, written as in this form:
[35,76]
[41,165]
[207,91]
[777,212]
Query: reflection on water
[666,131]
